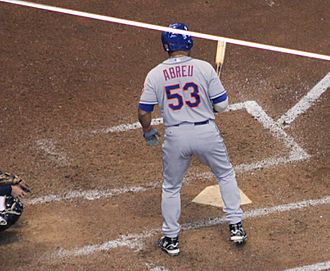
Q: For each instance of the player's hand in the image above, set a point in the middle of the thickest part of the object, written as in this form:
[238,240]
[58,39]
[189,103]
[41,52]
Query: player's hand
[152,136]
[18,192]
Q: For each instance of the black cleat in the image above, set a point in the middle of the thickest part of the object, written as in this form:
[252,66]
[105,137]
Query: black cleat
[237,233]
[170,245]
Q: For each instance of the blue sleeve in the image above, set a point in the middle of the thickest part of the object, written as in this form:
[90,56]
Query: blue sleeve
[146,107]
[220,99]
[5,190]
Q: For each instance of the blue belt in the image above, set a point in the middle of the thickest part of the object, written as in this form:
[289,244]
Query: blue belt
[196,123]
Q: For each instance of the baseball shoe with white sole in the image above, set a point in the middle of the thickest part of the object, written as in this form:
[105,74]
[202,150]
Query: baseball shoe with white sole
[237,233]
[170,245]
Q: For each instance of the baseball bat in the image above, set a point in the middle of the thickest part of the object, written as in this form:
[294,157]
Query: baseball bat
[220,56]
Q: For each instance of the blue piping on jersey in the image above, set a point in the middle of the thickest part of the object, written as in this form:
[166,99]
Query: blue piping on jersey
[220,99]
[146,107]
[217,95]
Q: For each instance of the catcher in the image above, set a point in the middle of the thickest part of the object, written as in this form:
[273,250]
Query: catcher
[12,189]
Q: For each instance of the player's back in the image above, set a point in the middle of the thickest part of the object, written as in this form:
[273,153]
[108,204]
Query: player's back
[184,88]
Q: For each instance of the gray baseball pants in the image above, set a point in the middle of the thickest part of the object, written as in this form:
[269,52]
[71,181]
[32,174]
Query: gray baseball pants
[205,142]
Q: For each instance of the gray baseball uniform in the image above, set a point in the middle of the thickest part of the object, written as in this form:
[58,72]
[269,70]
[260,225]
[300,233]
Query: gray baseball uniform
[186,89]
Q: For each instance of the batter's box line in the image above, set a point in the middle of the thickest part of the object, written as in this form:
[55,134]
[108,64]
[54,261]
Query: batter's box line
[48,146]
[296,153]
[137,241]
[306,102]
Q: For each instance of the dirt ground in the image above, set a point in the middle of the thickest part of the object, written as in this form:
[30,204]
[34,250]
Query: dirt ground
[65,80]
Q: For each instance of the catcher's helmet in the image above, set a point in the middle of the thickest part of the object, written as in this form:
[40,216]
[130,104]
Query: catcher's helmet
[177,42]
[13,211]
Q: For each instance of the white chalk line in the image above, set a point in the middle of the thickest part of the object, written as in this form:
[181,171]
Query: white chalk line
[260,212]
[125,127]
[162,28]
[152,267]
[312,267]
[251,106]
[296,154]
[288,118]
[48,146]
[137,241]
[61,158]
[270,3]
[157,121]
[306,102]
[132,241]
[92,194]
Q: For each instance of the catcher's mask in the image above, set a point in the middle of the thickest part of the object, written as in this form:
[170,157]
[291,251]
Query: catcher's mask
[13,211]
[177,42]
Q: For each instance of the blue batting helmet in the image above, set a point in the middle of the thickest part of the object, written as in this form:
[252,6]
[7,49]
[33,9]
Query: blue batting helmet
[177,42]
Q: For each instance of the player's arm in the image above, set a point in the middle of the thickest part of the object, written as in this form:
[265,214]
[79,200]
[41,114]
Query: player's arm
[18,192]
[147,102]
[144,116]
[220,103]
[15,190]
[150,133]
[13,185]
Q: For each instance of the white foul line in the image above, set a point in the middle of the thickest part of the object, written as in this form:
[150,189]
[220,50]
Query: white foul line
[306,102]
[312,267]
[296,154]
[162,28]
[136,241]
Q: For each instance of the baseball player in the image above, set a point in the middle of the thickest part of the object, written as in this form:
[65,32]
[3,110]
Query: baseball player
[12,189]
[188,92]
[13,185]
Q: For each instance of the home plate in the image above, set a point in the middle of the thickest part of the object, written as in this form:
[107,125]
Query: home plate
[211,196]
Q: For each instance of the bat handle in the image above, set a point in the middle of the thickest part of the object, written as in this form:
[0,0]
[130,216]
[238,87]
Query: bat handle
[219,67]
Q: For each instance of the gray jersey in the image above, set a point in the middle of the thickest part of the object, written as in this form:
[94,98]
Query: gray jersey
[183,87]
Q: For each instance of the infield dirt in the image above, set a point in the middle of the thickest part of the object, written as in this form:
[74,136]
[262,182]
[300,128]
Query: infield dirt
[63,77]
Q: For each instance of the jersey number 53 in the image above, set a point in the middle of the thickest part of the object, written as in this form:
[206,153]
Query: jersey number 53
[173,93]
